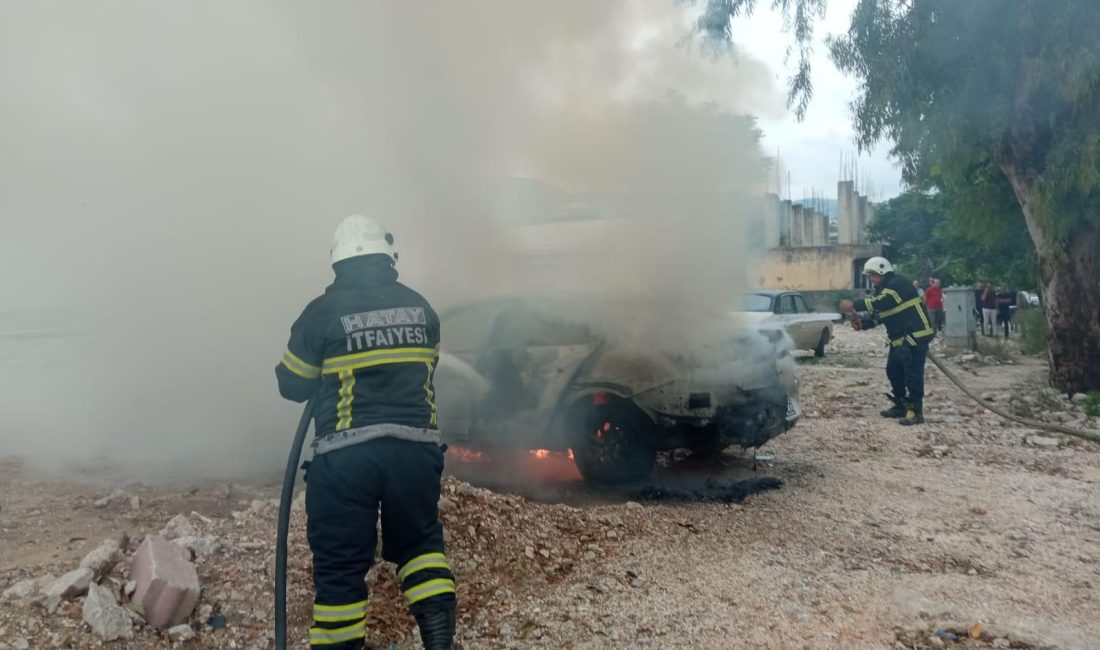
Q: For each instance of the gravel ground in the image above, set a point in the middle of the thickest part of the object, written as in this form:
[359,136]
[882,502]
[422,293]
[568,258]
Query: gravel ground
[882,536]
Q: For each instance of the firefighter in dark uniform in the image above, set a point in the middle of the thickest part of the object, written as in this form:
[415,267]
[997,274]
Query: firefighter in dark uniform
[898,305]
[367,349]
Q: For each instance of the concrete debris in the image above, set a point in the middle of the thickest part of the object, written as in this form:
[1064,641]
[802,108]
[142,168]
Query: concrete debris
[136,615]
[103,558]
[179,526]
[180,633]
[1079,398]
[69,586]
[115,498]
[199,546]
[23,590]
[167,583]
[446,506]
[108,620]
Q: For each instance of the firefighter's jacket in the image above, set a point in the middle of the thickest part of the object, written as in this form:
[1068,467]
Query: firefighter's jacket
[898,305]
[368,349]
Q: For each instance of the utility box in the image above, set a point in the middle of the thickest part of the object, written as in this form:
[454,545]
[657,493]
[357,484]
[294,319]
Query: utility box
[960,321]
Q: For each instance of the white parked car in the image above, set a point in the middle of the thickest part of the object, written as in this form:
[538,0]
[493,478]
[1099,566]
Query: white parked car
[810,330]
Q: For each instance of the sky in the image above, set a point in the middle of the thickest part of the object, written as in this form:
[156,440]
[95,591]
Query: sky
[810,150]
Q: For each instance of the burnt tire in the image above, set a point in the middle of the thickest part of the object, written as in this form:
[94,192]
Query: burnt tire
[613,442]
[819,351]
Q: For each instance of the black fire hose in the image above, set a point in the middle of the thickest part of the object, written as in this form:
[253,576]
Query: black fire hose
[1084,434]
[285,502]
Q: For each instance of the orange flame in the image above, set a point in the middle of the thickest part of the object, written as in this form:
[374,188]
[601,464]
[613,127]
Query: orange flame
[540,453]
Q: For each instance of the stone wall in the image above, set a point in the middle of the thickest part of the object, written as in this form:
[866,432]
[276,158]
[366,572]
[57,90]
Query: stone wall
[817,268]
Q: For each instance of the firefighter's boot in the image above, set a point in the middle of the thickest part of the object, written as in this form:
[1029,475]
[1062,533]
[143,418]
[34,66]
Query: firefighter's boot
[914,415]
[437,628]
[896,411]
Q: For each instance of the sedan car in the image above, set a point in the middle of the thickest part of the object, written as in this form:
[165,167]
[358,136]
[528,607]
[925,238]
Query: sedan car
[613,381]
[810,330]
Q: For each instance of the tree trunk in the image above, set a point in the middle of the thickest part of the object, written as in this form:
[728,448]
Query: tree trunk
[1070,277]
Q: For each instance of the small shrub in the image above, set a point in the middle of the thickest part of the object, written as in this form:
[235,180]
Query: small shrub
[1048,401]
[993,347]
[1022,409]
[1092,404]
[1033,331]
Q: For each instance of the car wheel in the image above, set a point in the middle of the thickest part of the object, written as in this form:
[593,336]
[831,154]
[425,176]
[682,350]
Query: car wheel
[614,441]
[819,351]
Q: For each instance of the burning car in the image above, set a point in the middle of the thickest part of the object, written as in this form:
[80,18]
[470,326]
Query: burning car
[612,381]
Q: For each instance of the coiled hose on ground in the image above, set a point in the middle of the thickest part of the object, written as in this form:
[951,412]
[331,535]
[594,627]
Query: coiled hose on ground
[1092,436]
[285,502]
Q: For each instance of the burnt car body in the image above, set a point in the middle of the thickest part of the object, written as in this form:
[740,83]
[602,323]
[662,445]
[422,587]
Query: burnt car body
[573,373]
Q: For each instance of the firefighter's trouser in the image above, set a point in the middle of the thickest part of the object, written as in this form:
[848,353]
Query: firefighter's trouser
[905,370]
[344,490]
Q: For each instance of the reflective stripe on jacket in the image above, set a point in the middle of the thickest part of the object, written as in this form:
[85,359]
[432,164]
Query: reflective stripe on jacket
[897,305]
[368,347]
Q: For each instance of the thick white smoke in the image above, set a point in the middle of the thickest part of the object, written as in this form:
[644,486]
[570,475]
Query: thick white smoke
[172,173]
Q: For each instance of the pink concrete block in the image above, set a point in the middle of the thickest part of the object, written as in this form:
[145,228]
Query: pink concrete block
[167,583]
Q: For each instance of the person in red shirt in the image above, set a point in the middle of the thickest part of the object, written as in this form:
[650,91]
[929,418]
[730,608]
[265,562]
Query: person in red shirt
[933,298]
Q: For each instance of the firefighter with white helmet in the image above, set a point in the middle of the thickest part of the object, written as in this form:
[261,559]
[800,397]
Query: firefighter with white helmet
[367,350]
[897,304]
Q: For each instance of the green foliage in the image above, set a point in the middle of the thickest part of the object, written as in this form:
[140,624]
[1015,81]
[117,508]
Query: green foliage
[1049,401]
[1033,331]
[1023,409]
[995,348]
[930,235]
[1092,404]
[968,92]
[995,106]
[976,94]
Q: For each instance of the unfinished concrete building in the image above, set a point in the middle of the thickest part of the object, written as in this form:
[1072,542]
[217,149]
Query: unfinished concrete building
[801,255]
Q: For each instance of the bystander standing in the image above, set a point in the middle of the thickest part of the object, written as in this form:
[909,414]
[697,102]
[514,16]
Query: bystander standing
[933,298]
[989,309]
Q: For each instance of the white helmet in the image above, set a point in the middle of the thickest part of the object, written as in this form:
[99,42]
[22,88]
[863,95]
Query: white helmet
[878,266]
[358,235]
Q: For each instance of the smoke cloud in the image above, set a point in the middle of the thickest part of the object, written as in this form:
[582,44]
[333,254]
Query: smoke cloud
[173,172]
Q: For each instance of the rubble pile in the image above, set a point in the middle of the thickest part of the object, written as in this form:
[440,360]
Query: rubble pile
[206,582]
[117,592]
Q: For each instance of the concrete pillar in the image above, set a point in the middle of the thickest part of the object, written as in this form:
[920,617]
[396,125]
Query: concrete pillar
[808,233]
[771,221]
[796,225]
[821,230]
[860,232]
[785,222]
[870,216]
[846,211]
